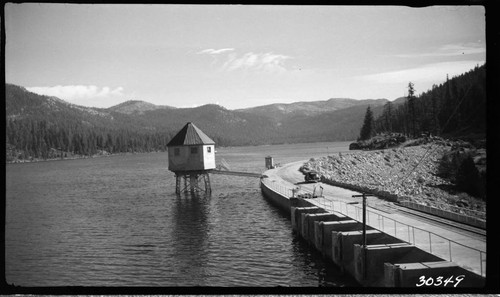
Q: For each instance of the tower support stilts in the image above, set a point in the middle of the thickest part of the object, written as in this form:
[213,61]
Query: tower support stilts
[192,181]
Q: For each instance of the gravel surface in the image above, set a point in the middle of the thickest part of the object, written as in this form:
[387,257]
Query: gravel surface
[405,173]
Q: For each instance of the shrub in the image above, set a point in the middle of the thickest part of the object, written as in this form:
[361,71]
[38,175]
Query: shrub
[469,179]
[458,167]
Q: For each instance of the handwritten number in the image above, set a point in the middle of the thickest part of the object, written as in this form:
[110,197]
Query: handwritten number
[439,281]
[429,281]
[421,279]
[448,280]
[459,279]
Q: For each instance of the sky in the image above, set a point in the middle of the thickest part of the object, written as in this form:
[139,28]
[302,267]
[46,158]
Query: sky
[236,56]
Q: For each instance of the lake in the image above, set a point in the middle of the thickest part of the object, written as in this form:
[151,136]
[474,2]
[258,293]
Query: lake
[116,221]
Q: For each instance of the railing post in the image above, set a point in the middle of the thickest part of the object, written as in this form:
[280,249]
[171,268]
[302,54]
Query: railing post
[364,224]
[449,242]
[430,242]
[481,261]
[414,236]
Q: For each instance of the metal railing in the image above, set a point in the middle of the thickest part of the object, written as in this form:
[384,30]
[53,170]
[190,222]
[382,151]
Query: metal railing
[465,256]
[279,188]
[454,211]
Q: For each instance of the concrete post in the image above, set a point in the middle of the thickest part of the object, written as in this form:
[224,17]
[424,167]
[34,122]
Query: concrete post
[325,233]
[296,215]
[308,221]
[319,229]
[370,262]
[343,245]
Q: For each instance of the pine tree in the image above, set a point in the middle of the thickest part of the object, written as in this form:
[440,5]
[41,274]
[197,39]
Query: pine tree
[411,109]
[366,130]
[387,116]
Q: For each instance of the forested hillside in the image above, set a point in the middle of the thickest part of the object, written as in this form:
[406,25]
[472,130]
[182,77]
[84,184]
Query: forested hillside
[456,108]
[43,127]
[281,111]
[46,127]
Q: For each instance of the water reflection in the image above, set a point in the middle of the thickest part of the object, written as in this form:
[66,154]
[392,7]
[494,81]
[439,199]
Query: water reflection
[189,230]
[307,259]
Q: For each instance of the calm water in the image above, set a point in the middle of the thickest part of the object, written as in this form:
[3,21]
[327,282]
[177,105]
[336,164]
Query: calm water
[116,221]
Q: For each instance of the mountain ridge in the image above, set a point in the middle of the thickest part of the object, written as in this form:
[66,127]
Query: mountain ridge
[37,125]
[136,106]
[280,111]
[297,107]
[143,119]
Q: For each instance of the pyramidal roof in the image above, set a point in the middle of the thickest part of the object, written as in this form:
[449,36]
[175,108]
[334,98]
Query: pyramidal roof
[190,135]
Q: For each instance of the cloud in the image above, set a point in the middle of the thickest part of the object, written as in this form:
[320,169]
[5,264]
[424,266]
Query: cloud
[427,73]
[212,51]
[449,50]
[229,60]
[80,94]
[266,62]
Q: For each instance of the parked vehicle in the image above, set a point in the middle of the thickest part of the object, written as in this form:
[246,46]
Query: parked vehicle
[312,176]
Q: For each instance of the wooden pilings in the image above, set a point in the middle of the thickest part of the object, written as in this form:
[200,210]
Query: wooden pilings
[192,181]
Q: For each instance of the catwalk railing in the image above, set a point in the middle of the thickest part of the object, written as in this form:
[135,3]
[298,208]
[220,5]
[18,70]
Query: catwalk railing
[470,258]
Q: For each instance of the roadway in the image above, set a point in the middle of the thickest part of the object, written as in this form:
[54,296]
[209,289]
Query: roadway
[465,245]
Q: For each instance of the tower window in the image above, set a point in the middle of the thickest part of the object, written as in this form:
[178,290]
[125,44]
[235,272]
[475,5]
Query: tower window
[209,149]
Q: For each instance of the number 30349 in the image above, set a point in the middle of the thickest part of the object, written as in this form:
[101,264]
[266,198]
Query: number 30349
[439,281]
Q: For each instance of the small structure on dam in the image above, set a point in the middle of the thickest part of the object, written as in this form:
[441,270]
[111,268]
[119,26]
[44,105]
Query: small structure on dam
[269,162]
[191,155]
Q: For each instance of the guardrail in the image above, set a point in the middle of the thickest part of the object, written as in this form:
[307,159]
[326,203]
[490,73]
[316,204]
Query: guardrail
[469,216]
[465,256]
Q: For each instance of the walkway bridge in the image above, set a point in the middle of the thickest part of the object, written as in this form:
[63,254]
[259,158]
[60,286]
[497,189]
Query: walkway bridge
[224,169]
[238,173]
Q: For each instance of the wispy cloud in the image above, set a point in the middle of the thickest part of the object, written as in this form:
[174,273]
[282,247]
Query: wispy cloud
[229,60]
[449,50]
[76,91]
[265,62]
[212,51]
[81,94]
[431,72]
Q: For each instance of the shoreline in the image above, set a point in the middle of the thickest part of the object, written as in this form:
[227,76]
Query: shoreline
[36,160]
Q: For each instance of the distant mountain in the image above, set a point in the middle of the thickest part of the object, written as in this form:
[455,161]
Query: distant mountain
[399,100]
[41,126]
[339,125]
[136,106]
[22,104]
[280,111]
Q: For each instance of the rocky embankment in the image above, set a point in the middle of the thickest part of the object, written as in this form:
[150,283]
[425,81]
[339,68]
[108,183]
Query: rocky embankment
[409,173]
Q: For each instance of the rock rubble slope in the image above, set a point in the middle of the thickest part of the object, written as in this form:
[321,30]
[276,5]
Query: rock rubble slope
[403,173]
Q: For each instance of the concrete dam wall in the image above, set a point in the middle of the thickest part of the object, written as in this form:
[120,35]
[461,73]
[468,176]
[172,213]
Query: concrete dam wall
[385,261]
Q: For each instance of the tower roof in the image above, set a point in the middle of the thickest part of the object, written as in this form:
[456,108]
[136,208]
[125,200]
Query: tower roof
[190,135]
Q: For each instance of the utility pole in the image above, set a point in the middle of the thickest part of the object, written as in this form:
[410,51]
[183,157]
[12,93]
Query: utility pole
[364,195]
